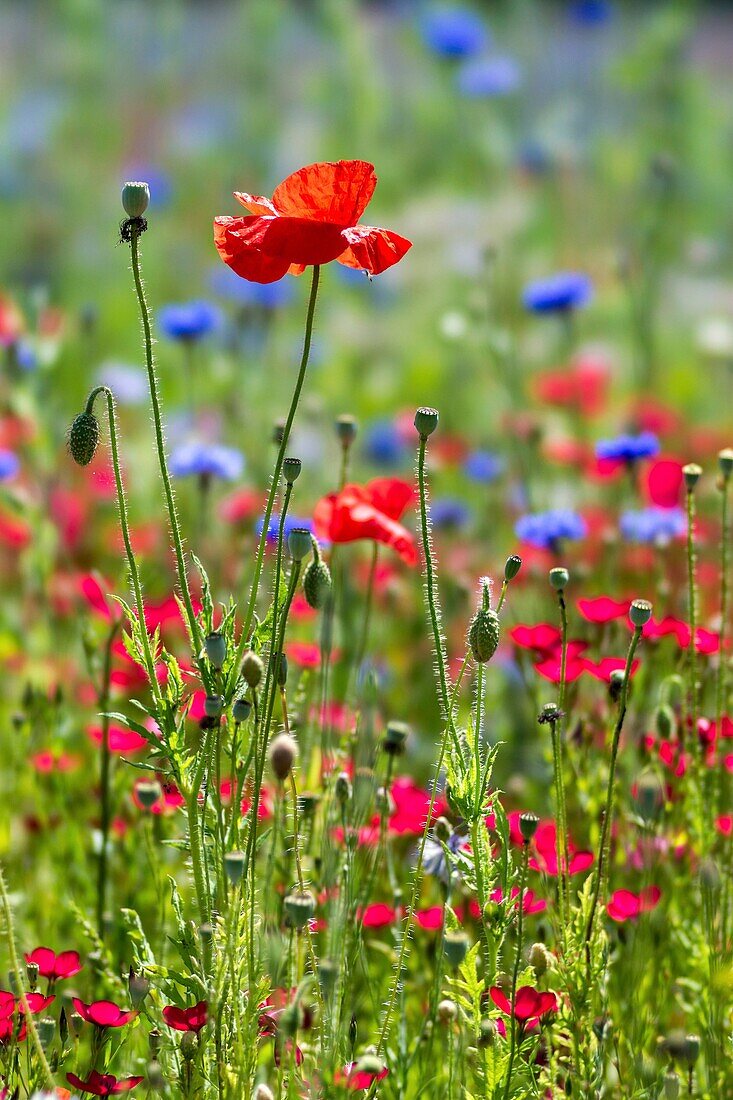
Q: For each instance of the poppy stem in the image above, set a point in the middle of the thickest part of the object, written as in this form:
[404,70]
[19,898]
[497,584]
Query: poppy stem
[517,960]
[20,981]
[720,693]
[605,840]
[692,611]
[249,614]
[193,625]
[104,780]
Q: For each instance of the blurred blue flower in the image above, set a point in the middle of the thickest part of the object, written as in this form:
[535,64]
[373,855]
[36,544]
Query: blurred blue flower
[485,77]
[653,524]
[558,293]
[159,182]
[448,513]
[454,32]
[189,320]
[590,13]
[273,527]
[383,443]
[9,465]
[227,284]
[483,466]
[628,448]
[128,384]
[534,158]
[434,860]
[207,460]
[546,529]
[25,355]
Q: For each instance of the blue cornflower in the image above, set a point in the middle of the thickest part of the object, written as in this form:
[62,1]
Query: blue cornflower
[485,77]
[189,320]
[434,860]
[206,460]
[9,465]
[383,443]
[483,466]
[129,384]
[628,448]
[449,513]
[558,293]
[546,529]
[25,356]
[266,296]
[653,524]
[590,13]
[273,527]
[454,32]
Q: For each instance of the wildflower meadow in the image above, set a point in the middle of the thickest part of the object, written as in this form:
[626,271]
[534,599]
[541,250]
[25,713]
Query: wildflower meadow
[366,454]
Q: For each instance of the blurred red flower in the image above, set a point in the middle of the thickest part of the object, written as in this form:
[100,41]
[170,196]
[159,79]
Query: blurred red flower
[624,905]
[55,967]
[186,1019]
[369,511]
[529,1003]
[102,1013]
[103,1084]
[311,219]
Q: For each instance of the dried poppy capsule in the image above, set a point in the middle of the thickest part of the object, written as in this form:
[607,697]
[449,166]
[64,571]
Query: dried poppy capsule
[426,421]
[291,469]
[299,908]
[84,438]
[528,823]
[283,754]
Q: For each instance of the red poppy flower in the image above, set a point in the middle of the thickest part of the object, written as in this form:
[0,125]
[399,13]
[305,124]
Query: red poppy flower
[311,219]
[377,915]
[356,1078]
[530,903]
[664,483]
[583,387]
[119,739]
[103,1084]
[186,1019]
[94,591]
[544,638]
[431,918]
[369,511]
[529,1003]
[102,1013]
[624,905]
[55,967]
[11,322]
[603,609]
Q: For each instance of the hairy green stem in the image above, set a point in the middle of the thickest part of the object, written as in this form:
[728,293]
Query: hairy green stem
[692,610]
[517,960]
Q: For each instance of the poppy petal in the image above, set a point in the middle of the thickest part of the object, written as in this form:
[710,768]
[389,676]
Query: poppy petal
[301,240]
[238,241]
[256,204]
[371,249]
[330,191]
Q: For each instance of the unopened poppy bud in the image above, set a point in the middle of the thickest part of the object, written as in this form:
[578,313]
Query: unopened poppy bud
[31,970]
[299,908]
[483,634]
[215,647]
[283,754]
[291,469]
[156,1077]
[234,863]
[692,474]
[528,823]
[487,1033]
[281,665]
[46,1031]
[213,706]
[615,684]
[664,720]
[241,709]
[155,1040]
[139,987]
[299,543]
[640,613]
[426,421]
[346,428]
[135,199]
[691,1049]
[251,669]
[262,1092]
[342,788]
[395,737]
[148,792]
[76,1024]
[316,580]
[512,567]
[455,946]
[189,1043]
[83,438]
[490,912]
[443,830]
[447,1011]
[671,1086]
[539,959]
[709,875]
[559,578]
[725,462]
[327,974]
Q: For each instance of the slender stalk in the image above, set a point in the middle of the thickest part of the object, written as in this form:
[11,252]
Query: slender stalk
[192,621]
[517,960]
[368,604]
[605,840]
[720,694]
[15,967]
[104,779]
[249,614]
[692,610]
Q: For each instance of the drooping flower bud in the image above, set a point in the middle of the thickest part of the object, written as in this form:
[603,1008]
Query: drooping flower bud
[283,753]
[316,580]
[251,669]
[215,647]
[83,438]
[483,630]
[512,567]
[135,199]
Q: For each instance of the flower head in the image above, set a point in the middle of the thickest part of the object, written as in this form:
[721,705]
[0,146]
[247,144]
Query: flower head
[186,1019]
[207,460]
[529,1003]
[627,448]
[370,511]
[546,530]
[624,905]
[103,1084]
[489,77]
[189,321]
[454,32]
[102,1013]
[312,218]
[558,293]
[52,966]
[652,525]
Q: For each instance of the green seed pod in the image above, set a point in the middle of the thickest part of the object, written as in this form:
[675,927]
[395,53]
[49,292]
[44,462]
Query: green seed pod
[291,469]
[299,908]
[559,578]
[234,863]
[664,720]
[215,647]
[135,199]
[512,567]
[299,543]
[528,823]
[213,706]
[346,429]
[84,438]
[725,462]
[483,634]
[327,975]
[148,793]
[692,474]
[455,946]
[241,710]
[317,580]
[46,1030]
[32,971]
[395,737]
[426,421]
[640,612]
